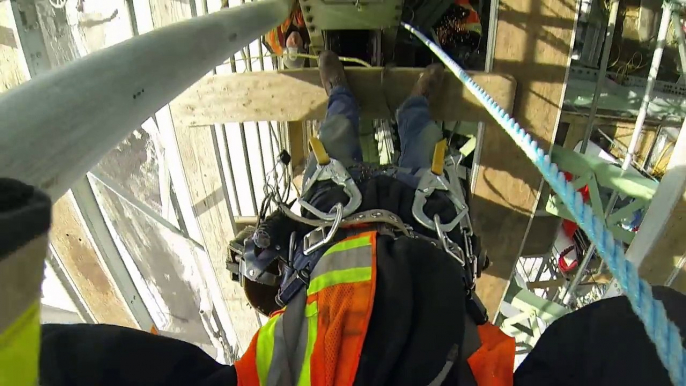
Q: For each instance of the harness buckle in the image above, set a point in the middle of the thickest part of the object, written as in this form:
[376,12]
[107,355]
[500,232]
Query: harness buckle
[331,169]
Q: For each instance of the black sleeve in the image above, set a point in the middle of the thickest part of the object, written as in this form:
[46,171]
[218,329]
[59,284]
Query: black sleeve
[105,355]
[603,343]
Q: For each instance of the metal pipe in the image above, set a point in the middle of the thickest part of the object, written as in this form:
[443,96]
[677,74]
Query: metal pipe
[600,83]
[652,76]
[88,106]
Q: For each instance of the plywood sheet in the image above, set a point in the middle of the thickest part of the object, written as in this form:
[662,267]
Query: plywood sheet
[533,44]
[297,95]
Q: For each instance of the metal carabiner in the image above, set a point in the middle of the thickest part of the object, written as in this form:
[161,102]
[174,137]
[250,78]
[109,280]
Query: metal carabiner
[427,185]
[331,169]
[449,246]
[433,179]
[311,246]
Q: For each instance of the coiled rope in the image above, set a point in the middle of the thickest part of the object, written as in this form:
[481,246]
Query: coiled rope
[650,311]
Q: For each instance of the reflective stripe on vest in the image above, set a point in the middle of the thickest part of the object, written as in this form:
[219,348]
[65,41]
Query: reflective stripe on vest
[21,274]
[318,338]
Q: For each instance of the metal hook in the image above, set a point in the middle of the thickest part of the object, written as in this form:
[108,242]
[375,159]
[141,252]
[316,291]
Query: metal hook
[449,246]
[307,248]
[330,169]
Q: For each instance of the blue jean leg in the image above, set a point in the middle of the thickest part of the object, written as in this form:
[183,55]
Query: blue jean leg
[418,133]
[340,130]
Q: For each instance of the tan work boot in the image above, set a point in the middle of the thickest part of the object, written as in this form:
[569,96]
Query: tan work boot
[429,81]
[331,71]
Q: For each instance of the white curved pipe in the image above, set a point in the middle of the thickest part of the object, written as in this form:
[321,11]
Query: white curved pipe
[54,128]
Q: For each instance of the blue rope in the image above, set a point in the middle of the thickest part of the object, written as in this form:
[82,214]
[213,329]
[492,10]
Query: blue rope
[659,328]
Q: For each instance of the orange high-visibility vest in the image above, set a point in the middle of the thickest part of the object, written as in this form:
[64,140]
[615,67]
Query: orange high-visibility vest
[317,339]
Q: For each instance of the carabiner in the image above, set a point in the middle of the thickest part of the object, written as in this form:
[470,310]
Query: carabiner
[331,169]
[451,247]
[310,245]
[434,179]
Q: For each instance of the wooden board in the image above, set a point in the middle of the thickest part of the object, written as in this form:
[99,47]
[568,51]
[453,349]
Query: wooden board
[533,44]
[84,267]
[297,95]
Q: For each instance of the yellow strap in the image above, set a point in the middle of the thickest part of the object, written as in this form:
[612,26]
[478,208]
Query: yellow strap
[319,152]
[20,348]
[439,157]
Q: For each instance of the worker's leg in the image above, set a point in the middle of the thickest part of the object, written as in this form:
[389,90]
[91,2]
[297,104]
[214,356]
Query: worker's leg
[418,132]
[339,132]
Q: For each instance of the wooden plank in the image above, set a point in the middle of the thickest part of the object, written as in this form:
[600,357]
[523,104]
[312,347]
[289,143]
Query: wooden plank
[266,96]
[90,276]
[533,44]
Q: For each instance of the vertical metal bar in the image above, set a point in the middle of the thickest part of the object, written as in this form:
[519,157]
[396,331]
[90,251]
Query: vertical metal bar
[600,83]
[222,176]
[246,158]
[248,60]
[229,166]
[652,76]
[261,152]
[488,67]
[272,137]
[260,50]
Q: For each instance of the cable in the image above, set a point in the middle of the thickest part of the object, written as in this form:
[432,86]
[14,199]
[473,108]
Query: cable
[661,331]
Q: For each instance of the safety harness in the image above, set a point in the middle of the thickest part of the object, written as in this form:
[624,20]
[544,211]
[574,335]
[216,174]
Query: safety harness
[300,258]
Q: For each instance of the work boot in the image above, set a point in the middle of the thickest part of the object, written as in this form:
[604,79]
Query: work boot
[331,71]
[429,81]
